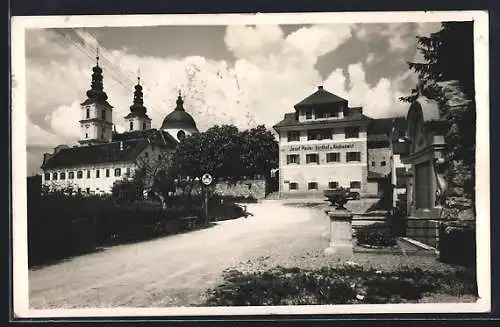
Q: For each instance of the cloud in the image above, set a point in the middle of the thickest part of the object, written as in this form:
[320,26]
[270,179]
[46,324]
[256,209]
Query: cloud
[379,101]
[272,72]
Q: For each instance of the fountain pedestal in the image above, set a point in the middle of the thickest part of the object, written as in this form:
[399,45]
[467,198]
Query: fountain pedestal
[340,233]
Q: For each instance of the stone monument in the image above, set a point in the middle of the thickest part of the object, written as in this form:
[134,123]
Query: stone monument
[340,224]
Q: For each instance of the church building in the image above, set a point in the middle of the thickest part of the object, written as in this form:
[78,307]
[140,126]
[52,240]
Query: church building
[104,156]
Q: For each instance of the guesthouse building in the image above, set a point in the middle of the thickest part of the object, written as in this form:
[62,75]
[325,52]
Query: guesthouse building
[326,144]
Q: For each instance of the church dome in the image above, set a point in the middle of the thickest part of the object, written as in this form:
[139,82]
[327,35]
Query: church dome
[179,118]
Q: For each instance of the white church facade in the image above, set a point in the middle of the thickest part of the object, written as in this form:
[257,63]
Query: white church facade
[104,156]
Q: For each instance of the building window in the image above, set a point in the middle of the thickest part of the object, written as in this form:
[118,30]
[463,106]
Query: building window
[355,184]
[353,156]
[54,176]
[293,136]
[293,186]
[333,185]
[312,135]
[103,114]
[373,163]
[128,171]
[87,113]
[71,175]
[79,174]
[292,159]
[63,176]
[144,125]
[312,158]
[351,132]
[131,125]
[383,163]
[107,172]
[88,173]
[118,172]
[87,190]
[312,186]
[333,157]
[86,135]
[97,173]
[309,114]
[320,134]
[47,176]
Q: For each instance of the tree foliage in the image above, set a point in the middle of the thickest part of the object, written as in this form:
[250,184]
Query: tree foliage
[224,151]
[448,55]
[447,76]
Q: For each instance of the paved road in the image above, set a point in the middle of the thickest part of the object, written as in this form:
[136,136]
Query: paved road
[175,270]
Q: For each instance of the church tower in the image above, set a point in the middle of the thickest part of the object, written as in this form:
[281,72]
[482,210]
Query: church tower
[96,113]
[179,123]
[137,119]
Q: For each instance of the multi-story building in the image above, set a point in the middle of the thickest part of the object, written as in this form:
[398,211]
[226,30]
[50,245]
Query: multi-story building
[326,144]
[105,156]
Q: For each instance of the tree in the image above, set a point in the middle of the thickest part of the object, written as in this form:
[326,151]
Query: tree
[447,76]
[224,151]
[448,55]
[260,151]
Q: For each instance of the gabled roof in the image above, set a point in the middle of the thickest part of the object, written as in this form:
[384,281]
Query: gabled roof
[321,96]
[126,151]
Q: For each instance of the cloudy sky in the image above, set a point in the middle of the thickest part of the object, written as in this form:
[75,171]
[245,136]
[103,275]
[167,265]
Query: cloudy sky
[244,75]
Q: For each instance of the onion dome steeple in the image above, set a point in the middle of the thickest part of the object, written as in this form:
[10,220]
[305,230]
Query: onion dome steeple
[96,93]
[137,109]
[97,89]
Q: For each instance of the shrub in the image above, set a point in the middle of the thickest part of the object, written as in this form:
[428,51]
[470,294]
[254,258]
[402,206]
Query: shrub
[377,234]
[345,285]
[457,243]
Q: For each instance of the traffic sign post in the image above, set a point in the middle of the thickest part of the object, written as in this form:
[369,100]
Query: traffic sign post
[206,179]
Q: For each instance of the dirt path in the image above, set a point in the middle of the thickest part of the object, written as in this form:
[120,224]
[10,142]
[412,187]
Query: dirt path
[175,270]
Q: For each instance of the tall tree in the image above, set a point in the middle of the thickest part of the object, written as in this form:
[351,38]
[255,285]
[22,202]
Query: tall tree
[447,76]
[260,151]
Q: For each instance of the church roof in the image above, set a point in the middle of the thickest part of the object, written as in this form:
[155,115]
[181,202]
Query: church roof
[128,151]
[321,96]
[179,118]
[156,136]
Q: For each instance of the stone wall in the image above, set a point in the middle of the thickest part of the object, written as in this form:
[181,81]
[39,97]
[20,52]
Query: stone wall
[460,154]
[255,188]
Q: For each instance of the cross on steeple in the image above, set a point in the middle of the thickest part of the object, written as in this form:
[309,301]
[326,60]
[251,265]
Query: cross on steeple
[97,56]
[138,76]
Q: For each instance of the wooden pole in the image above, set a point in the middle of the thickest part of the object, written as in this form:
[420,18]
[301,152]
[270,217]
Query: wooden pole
[206,205]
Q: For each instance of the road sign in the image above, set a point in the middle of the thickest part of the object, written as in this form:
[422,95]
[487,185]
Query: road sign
[206,179]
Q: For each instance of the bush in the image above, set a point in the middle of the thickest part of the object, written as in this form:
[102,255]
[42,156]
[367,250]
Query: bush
[377,235]
[60,226]
[457,243]
[347,285]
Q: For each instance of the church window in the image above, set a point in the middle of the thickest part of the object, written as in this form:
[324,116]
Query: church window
[131,125]
[88,173]
[47,176]
[107,172]
[97,173]
[54,176]
[63,175]
[86,135]
[118,172]
[103,114]
[87,113]
[71,175]
[79,174]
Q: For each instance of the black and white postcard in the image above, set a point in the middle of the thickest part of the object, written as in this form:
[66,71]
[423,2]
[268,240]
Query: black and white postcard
[250,164]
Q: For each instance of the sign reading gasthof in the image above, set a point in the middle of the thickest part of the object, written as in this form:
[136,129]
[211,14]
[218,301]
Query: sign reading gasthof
[321,147]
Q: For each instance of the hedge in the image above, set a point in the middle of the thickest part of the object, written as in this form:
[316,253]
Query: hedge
[60,226]
[457,243]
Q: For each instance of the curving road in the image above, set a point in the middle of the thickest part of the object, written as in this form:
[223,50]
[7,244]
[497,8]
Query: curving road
[176,270]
